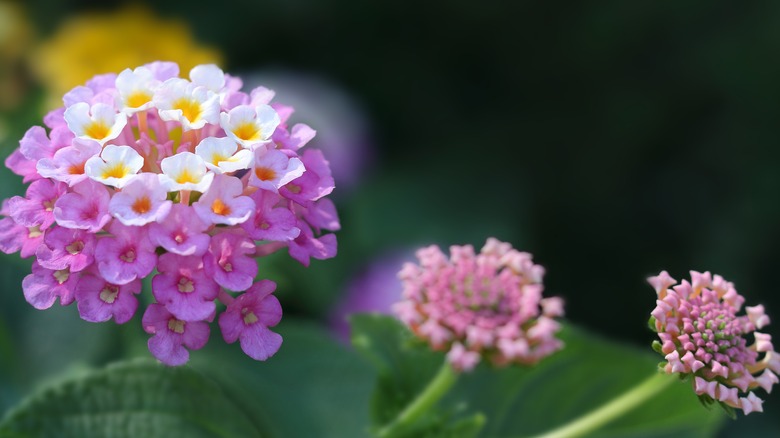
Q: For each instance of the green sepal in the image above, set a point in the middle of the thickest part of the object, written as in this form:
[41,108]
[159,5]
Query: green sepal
[730,411]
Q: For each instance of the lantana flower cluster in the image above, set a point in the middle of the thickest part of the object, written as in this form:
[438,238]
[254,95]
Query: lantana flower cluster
[474,306]
[189,180]
[702,336]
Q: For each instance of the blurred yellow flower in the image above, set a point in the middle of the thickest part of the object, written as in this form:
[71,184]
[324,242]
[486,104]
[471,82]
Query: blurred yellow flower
[15,39]
[99,42]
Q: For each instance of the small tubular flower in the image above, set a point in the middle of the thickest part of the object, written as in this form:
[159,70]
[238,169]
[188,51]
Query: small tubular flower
[187,103]
[272,169]
[98,300]
[221,155]
[250,126]
[248,317]
[143,200]
[67,164]
[223,203]
[701,335]
[480,306]
[185,171]
[100,122]
[137,175]
[136,89]
[116,165]
[173,336]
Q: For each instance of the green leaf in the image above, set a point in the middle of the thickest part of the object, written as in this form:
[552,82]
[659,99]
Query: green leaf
[519,401]
[312,387]
[131,399]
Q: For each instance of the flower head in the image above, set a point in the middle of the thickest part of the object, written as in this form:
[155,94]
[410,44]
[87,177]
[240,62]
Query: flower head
[487,305]
[136,175]
[702,336]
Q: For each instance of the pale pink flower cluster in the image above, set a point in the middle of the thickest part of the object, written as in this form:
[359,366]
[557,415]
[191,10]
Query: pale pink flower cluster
[474,306]
[189,180]
[702,336]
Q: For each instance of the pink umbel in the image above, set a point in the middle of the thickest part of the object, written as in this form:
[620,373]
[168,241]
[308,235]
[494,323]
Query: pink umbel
[189,180]
[702,336]
[480,306]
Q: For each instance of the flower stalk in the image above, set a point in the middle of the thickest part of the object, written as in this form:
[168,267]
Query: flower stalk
[441,383]
[613,409]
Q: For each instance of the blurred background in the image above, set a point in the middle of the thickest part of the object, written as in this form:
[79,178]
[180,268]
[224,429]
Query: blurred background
[611,140]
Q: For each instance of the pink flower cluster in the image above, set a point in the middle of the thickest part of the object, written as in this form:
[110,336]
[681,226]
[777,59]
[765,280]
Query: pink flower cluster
[189,180]
[487,305]
[702,336]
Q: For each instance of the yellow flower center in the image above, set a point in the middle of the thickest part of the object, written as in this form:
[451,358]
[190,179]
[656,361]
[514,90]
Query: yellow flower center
[62,275]
[97,130]
[138,98]
[176,325]
[108,294]
[118,170]
[186,177]
[247,131]
[190,109]
[249,316]
[216,157]
[185,285]
[75,247]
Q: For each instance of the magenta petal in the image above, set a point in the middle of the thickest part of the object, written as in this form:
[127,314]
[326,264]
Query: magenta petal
[196,335]
[182,232]
[36,208]
[126,256]
[306,246]
[322,215]
[230,325]
[227,261]
[11,235]
[22,166]
[84,208]
[168,349]
[38,293]
[259,343]
[35,144]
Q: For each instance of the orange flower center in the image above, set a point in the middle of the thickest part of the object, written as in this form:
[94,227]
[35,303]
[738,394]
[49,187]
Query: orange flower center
[264,173]
[220,208]
[142,205]
[76,169]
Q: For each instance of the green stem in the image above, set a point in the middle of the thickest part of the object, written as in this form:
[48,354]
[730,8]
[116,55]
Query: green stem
[612,409]
[437,387]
